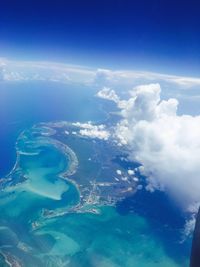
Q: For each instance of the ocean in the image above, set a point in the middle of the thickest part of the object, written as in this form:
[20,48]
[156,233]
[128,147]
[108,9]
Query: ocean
[41,223]
[23,104]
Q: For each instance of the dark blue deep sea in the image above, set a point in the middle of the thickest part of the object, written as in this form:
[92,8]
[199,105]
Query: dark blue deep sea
[167,220]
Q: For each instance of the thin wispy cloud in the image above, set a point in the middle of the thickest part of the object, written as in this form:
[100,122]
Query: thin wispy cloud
[60,72]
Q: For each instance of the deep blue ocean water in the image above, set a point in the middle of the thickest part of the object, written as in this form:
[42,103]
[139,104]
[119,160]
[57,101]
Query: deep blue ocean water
[23,104]
[166,218]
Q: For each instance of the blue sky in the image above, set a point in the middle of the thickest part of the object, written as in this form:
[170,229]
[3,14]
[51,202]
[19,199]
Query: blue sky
[160,35]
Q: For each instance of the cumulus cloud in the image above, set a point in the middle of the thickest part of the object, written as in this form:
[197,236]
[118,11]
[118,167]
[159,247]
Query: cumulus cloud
[109,94]
[92,131]
[166,144]
[131,172]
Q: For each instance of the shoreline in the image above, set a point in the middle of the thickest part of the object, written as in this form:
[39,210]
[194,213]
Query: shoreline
[43,139]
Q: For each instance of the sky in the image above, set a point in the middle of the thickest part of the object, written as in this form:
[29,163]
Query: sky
[157,35]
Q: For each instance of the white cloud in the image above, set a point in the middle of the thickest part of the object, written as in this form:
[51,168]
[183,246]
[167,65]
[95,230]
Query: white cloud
[109,94]
[105,77]
[58,72]
[167,145]
[95,133]
[44,71]
[92,131]
[131,172]
[102,76]
[182,81]
[119,172]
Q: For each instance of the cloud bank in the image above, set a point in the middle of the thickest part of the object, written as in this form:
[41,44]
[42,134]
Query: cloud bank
[44,71]
[166,144]
[58,72]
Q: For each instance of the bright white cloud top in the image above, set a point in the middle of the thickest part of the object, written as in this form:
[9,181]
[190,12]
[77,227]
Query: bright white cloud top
[109,94]
[166,144]
[92,131]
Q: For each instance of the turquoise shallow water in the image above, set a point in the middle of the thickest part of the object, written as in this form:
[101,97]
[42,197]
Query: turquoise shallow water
[23,104]
[37,190]
[40,227]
